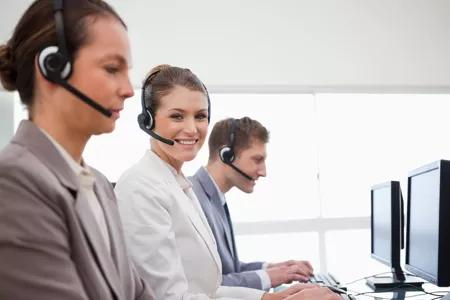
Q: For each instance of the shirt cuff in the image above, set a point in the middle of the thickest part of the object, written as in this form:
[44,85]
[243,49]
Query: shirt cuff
[266,284]
[265,266]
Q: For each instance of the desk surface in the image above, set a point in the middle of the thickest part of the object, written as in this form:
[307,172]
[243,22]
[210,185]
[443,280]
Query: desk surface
[363,291]
[360,290]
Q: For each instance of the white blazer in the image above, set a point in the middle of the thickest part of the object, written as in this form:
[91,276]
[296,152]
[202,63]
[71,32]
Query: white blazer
[168,235]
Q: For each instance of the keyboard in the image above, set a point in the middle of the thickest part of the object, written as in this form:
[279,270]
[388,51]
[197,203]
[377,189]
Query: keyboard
[330,280]
[326,279]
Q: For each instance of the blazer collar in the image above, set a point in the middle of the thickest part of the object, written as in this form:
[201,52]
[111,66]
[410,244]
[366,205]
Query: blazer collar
[212,193]
[207,183]
[28,135]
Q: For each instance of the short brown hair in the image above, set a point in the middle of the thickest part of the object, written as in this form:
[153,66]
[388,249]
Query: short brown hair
[162,79]
[247,131]
[36,30]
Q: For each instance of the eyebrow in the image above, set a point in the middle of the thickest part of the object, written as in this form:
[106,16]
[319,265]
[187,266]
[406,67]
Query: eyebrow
[183,111]
[118,57]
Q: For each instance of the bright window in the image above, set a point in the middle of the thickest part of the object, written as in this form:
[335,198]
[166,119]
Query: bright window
[368,139]
[291,163]
[291,180]
[279,247]
[348,255]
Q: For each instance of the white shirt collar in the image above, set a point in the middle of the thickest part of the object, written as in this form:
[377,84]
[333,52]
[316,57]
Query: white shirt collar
[182,181]
[219,192]
[73,164]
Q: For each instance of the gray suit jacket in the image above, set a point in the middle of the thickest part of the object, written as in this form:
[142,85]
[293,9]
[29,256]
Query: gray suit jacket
[50,244]
[236,273]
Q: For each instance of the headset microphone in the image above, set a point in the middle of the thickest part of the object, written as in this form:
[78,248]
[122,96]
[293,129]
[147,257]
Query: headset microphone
[240,171]
[55,62]
[227,152]
[142,124]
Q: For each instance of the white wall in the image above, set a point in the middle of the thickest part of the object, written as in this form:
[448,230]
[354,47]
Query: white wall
[6,118]
[295,42]
[316,44]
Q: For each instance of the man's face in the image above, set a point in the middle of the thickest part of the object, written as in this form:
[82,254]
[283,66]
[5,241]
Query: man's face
[251,161]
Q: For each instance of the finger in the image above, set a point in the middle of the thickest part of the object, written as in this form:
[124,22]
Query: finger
[289,262]
[297,269]
[298,277]
[293,289]
[308,265]
[304,286]
[320,292]
[305,271]
[329,295]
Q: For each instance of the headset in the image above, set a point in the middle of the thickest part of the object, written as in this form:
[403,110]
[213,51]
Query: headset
[55,63]
[146,119]
[227,154]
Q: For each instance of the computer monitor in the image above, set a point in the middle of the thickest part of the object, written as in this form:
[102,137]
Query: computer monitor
[387,237]
[428,226]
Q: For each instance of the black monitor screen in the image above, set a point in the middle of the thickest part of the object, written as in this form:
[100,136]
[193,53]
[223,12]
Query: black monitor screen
[381,211]
[424,222]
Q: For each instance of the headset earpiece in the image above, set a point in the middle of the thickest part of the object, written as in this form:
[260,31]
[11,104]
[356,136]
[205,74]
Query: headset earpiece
[150,119]
[145,118]
[53,65]
[226,155]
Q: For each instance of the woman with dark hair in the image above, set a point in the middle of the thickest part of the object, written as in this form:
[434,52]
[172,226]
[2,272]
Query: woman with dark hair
[60,233]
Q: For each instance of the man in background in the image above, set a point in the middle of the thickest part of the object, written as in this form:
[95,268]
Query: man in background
[237,154]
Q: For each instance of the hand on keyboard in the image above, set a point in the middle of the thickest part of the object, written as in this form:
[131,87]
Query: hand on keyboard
[318,293]
[304,266]
[282,275]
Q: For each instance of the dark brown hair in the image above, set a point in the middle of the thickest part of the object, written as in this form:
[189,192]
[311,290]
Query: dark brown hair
[247,131]
[167,78]
[36,30]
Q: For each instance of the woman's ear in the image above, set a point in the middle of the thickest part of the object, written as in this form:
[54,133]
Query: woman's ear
[40,81]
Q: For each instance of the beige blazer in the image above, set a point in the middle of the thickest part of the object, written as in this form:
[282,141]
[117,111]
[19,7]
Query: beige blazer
[50,244]
[169,238]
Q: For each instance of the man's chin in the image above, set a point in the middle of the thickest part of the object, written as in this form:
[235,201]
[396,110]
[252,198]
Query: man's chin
[247,189]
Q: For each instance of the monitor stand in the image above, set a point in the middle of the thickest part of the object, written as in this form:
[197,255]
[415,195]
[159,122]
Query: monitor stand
[397,281]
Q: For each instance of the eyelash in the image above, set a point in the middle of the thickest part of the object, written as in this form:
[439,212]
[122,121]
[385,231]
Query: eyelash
[179,117]
[111,69]
[258,160]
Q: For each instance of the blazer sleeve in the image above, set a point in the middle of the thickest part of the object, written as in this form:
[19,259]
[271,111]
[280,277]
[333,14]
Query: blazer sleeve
[246,279]
[35,256]
[145,212]
[253,266]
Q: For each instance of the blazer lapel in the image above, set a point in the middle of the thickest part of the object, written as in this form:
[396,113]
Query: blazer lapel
[198,220]
[114,234]
[95,238]
[213,195]
[190,205]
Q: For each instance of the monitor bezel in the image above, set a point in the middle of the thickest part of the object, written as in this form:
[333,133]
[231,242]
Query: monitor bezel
[442,278]
[396,224]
